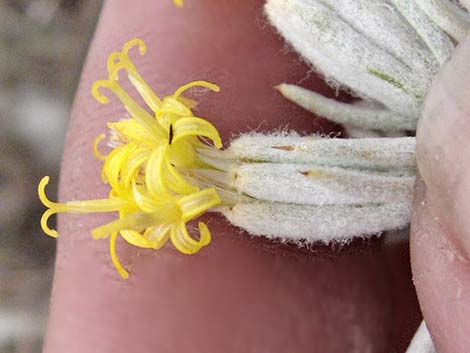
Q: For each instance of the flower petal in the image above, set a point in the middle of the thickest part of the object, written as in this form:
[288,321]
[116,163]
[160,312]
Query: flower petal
[137,221]
[136,239]
[133,131]
[197,203]
[158,235]
[182,154]
[182,241]
[154,172]
[174,106]
[176,182]
[115,162]
[135,161]
[146,202]
[193,126]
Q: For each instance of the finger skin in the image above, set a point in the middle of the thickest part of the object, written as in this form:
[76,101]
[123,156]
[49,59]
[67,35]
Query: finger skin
[239,294]
[440,241]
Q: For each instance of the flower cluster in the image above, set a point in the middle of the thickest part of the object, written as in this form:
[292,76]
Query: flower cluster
[145,169]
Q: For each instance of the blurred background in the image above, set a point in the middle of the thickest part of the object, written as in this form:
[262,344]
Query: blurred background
[43,44]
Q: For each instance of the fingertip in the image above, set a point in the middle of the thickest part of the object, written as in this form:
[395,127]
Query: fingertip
[440,245]
[443,151]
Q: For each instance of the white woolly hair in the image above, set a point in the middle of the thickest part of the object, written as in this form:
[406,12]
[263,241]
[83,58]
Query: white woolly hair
[330,223]
[385,52]
[338,51]
[313,188]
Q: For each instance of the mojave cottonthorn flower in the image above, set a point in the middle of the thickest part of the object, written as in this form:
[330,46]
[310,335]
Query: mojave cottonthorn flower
[153,199]
[283,186]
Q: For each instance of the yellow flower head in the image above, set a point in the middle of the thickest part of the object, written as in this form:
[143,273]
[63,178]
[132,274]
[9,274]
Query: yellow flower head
[146,170]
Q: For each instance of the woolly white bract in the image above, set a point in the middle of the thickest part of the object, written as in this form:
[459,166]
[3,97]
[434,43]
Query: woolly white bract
[307,189]
[385,52]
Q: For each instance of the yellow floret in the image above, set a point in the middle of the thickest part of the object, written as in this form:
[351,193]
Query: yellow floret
[146,169]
